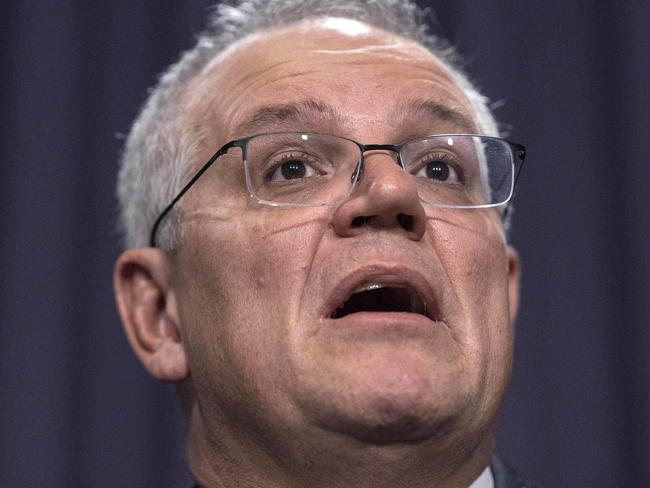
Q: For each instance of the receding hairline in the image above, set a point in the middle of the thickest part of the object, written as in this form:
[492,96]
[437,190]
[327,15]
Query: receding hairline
[254,122]
[308,25]
[368,42]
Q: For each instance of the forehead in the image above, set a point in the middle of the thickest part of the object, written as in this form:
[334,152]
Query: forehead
[332,74]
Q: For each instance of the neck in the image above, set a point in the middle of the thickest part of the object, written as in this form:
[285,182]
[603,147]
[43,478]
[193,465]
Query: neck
[316,458]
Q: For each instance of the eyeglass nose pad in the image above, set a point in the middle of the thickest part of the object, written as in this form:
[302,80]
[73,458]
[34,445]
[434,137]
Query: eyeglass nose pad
[356,175]
[358,171]
[398,160]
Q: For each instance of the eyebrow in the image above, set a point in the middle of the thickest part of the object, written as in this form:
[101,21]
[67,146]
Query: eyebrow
[411,111]
[303,113]
[306,113]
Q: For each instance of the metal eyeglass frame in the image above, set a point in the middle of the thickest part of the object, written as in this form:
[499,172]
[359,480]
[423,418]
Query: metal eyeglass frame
[518,150]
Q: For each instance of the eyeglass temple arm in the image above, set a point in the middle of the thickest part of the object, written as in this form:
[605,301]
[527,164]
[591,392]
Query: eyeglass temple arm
[521,153]
[199,173]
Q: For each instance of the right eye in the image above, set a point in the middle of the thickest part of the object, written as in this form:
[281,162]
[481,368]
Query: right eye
[291,168]
[440,167]
[440,170]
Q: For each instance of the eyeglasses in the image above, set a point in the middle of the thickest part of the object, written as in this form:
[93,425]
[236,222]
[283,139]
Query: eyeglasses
[299,169]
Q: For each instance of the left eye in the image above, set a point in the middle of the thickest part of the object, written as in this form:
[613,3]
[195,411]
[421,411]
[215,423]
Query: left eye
[439,170]
[292,169]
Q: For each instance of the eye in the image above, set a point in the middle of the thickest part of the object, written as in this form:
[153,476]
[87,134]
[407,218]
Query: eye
[291,168]
[439,169]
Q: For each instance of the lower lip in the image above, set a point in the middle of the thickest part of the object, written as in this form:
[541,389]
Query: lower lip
[384,319]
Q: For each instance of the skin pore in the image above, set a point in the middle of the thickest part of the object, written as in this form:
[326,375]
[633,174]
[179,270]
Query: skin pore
[284,395]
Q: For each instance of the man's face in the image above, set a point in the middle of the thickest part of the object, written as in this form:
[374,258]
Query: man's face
[256,286]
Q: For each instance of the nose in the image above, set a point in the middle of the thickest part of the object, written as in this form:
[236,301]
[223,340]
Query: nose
[385,198]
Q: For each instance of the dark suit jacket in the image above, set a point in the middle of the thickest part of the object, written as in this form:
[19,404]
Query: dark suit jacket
[505,476]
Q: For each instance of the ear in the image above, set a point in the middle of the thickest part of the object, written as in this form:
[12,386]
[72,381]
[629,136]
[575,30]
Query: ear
[513,281]
[148,311]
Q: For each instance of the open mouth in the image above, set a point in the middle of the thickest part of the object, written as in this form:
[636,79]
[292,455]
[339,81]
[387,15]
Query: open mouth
[382,298]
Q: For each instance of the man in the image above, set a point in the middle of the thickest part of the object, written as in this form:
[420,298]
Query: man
[313,204]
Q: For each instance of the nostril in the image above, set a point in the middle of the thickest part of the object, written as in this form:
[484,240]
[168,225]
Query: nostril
[406,221]
[359,221]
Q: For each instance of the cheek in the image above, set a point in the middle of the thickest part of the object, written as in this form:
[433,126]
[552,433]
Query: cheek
[473,253]
[239,296]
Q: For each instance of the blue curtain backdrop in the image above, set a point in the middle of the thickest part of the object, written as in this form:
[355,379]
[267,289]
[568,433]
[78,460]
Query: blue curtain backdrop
[76,409]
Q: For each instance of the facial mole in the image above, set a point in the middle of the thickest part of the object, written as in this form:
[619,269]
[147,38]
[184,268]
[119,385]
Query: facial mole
[260,282]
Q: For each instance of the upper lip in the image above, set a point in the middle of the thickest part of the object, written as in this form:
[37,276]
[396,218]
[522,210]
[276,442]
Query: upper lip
[382,275]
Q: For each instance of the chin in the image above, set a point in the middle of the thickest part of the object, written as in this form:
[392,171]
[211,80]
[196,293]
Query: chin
[391,426]
[397,403]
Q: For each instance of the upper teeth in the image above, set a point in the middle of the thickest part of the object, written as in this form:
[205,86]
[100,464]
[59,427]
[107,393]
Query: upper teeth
[368,287]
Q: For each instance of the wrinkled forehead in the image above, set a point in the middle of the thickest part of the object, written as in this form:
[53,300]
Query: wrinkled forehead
[327,36]
[335,62]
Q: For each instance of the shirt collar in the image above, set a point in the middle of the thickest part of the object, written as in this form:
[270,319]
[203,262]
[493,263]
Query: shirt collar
[485,480]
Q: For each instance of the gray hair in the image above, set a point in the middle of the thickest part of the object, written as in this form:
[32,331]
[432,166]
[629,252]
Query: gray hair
[160,147]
